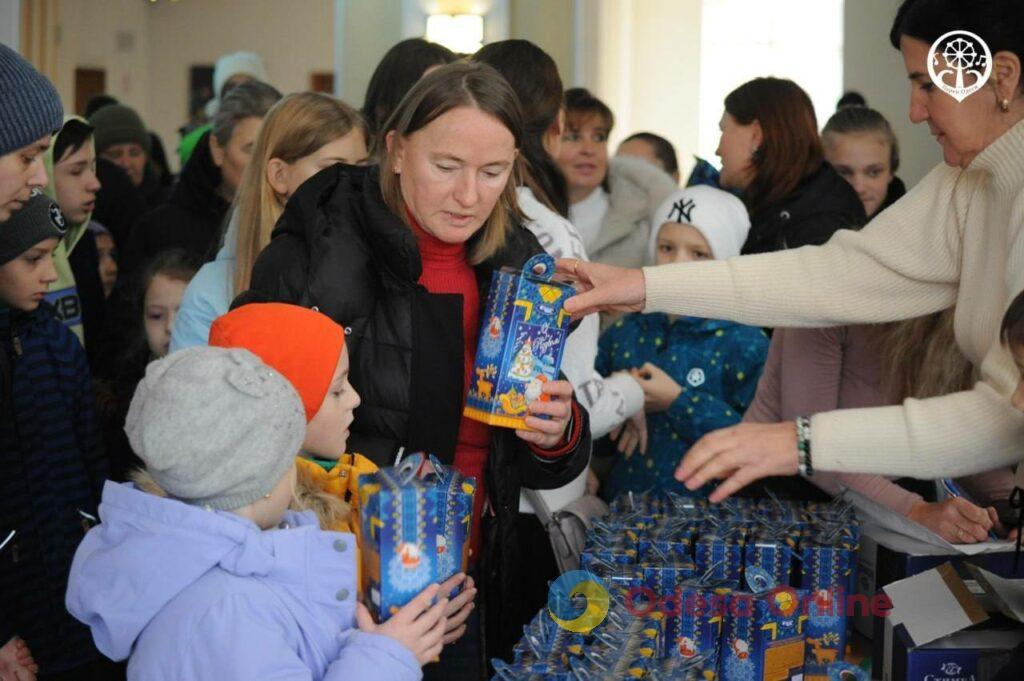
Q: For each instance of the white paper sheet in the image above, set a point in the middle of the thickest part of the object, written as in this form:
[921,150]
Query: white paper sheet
[903,526]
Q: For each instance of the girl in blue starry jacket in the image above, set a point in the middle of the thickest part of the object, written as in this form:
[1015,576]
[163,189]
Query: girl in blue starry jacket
[698,375]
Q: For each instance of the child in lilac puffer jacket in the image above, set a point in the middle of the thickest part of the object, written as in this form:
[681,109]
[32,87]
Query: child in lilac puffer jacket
[218,580]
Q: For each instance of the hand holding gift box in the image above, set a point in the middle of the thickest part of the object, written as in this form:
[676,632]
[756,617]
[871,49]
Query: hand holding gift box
[415,531]
[521,343]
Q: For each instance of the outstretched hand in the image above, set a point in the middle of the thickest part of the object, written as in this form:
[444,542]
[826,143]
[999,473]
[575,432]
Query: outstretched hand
[740,455]
[602,288]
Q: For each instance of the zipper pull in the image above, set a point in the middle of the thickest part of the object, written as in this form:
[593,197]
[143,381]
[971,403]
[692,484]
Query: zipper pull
[16,342]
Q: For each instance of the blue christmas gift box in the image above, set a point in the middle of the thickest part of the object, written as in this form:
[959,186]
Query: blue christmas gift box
[453,494]
[521,342]
[773,554]
[719,555]
[696,632]
[415,531]
[825,572]
[763,639]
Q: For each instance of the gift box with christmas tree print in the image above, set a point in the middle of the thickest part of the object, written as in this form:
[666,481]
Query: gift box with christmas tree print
[521,342]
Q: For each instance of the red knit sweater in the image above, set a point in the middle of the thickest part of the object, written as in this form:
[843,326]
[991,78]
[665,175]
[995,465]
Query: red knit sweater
[446,270]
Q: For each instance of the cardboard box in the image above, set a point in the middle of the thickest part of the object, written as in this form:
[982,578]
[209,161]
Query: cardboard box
[939,630]
[885,557]
[973,655]
[521,342]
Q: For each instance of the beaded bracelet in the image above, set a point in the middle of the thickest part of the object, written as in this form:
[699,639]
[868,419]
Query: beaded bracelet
[803,445]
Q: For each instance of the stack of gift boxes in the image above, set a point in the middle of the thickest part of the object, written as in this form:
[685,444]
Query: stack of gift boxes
[747,589]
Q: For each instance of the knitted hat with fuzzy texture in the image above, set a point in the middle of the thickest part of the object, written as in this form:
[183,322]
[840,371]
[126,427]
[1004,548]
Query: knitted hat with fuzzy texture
[304,345]
[118,124]
[216,427]
[30,107]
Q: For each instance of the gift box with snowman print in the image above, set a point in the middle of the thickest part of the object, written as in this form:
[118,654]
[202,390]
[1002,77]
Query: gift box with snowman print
[415,531]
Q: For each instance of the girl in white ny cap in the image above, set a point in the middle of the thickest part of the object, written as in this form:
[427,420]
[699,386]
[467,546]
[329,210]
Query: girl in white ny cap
[697,374]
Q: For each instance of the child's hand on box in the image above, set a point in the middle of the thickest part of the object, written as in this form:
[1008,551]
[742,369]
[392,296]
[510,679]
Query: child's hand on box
[418,626]
[660,390]
[459,607]
[555,403]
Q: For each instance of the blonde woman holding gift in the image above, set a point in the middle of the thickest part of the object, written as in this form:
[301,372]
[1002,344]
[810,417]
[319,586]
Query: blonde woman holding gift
[402,255]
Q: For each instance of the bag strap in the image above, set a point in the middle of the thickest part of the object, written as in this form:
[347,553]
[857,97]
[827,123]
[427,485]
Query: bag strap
[540,507]
[559,544]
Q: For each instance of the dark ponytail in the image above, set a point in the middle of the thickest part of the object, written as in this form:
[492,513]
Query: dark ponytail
[534,77]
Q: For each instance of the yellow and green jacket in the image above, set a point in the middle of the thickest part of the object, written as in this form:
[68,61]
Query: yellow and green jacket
[63,293]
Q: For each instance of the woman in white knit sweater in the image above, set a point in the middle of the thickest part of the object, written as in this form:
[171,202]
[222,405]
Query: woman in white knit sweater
[956,238]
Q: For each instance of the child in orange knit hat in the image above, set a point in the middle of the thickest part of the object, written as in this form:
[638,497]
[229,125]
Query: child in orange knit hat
[308,348]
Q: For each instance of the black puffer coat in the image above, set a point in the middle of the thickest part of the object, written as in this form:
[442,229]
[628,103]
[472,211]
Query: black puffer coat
[338,248]
[191,218]
[808,216]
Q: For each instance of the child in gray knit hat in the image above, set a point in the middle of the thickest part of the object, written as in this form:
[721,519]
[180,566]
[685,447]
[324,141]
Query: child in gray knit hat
[218,580]
[30,112]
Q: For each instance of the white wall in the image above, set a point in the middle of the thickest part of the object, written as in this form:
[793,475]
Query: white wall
[88,32]
[369,30]
[642,58]
[875,69]
[10,22]
[294,38]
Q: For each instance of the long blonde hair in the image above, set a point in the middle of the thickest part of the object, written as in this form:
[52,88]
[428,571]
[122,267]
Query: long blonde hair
[920,358]
[449,87]
[295,127]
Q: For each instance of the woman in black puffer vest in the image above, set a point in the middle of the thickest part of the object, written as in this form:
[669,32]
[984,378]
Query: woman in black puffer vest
[402,256]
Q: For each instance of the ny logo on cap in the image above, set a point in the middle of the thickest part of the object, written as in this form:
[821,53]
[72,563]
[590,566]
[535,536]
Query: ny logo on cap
[683,208]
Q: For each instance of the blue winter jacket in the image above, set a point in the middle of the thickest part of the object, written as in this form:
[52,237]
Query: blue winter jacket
[207,296]
[194,594]
[52,470]
[717,364]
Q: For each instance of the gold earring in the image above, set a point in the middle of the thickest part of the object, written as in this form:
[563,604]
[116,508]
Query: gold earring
[1004,105]
[267,495]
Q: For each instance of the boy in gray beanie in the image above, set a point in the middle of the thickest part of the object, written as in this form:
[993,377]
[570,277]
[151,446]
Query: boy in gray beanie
[48,423]
[30,112]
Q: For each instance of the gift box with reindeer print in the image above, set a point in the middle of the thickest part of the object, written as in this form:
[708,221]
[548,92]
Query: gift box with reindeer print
[521,342]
